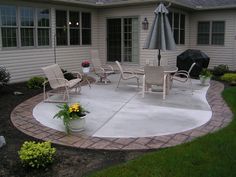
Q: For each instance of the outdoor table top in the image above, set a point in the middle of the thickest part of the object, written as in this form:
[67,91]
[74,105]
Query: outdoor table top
[170,69]
[167,70]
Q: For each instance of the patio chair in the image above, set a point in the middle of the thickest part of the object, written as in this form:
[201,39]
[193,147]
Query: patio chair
[154,75]
[126,75]
[183,76]
[59,84]
[102,71]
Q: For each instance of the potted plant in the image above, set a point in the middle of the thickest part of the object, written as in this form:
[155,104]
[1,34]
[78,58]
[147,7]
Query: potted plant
[85,65]
[205,76]
[73,116]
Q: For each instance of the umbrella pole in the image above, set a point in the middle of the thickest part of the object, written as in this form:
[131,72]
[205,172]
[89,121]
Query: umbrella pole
[159,57]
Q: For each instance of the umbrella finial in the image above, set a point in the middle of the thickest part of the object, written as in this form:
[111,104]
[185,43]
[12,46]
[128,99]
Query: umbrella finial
[161,9]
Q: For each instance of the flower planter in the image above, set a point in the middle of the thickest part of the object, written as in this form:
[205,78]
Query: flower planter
[77,125]
[205,80]
[86,69]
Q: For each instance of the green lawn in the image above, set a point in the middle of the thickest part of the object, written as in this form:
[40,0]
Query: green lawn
[213,155]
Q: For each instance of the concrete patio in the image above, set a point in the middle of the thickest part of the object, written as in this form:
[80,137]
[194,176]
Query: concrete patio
[113,111]
[122,119]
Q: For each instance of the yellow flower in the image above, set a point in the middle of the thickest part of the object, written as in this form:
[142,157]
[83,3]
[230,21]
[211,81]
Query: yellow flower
[74,108]
[70,110]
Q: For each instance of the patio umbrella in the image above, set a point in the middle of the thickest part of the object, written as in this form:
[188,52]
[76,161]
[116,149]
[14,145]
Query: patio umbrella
[160,36]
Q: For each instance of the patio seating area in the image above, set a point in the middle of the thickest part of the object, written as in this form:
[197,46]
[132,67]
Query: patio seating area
[120,118]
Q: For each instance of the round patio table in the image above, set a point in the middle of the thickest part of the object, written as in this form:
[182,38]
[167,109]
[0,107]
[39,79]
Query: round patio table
[170,69]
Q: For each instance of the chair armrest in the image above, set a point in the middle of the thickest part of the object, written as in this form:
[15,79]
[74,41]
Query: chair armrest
[62,79]
[182,71]
[79,75]
[99,69]
[139,71]
[128,72]
[108,67]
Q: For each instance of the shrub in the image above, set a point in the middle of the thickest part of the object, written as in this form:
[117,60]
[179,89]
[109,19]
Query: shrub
[68,75]
[36,155]
[229,77]
[4,75]
[35,82]
[220,70]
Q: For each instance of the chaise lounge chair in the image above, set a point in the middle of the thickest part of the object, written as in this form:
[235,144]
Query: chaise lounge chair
[59,85]
[102,71]
[126,75]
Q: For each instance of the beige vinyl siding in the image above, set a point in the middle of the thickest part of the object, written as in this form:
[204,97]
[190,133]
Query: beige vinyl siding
[25,63]
[224,54]
[168,57]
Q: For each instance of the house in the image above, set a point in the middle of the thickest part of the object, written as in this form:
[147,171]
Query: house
[40,32]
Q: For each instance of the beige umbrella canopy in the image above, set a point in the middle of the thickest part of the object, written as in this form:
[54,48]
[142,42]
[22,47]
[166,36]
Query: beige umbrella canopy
[160,36]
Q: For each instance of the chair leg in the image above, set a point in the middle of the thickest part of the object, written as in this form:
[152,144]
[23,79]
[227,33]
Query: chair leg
[118,82]
[64,95]
[144,86]
[138,82]
[164,88]
[191,85]
[67,94]
[44,93]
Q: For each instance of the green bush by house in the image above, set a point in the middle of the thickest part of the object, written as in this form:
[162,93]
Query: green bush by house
[220,70]
[4,75]
[229,77]
[35,82]
[36,155]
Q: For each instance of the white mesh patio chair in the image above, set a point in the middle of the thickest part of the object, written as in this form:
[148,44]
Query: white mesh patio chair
[183,76]
[59,85]
[154,75]
[126,74]
[102,71]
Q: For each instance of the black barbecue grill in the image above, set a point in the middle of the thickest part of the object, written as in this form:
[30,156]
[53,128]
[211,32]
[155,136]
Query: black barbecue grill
[187,58]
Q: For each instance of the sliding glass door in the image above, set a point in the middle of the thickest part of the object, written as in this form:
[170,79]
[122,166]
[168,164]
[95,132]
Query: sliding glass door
[122,40]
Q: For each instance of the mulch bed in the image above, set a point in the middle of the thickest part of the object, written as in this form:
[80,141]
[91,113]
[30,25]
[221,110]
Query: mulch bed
[69,162]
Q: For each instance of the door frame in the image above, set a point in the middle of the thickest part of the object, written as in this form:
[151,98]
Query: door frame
[122,38]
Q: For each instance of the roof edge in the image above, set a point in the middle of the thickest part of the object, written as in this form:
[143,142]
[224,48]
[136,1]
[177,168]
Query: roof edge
[138,2]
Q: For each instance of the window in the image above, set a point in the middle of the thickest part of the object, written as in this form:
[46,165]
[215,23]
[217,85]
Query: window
[27,26]
[211,33]
[8,26]
[203,33]
[182,29]
[61,27]
[86,28]
[177,23]
[218,33]
[21,29]
[74,28]
[68,26]
[130,41]
[43,27]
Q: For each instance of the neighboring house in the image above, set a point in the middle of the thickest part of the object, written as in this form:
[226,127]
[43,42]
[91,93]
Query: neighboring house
[36,33]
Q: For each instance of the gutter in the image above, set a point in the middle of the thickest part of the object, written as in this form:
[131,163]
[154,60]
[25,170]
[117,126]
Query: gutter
[138,2]
[200,8]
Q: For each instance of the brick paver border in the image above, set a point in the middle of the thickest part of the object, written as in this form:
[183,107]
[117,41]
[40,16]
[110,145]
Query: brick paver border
[24,121]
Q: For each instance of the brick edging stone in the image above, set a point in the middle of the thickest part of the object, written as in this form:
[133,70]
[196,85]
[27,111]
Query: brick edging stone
[24,121]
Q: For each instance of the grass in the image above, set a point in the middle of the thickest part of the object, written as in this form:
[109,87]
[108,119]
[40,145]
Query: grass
[213,155]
